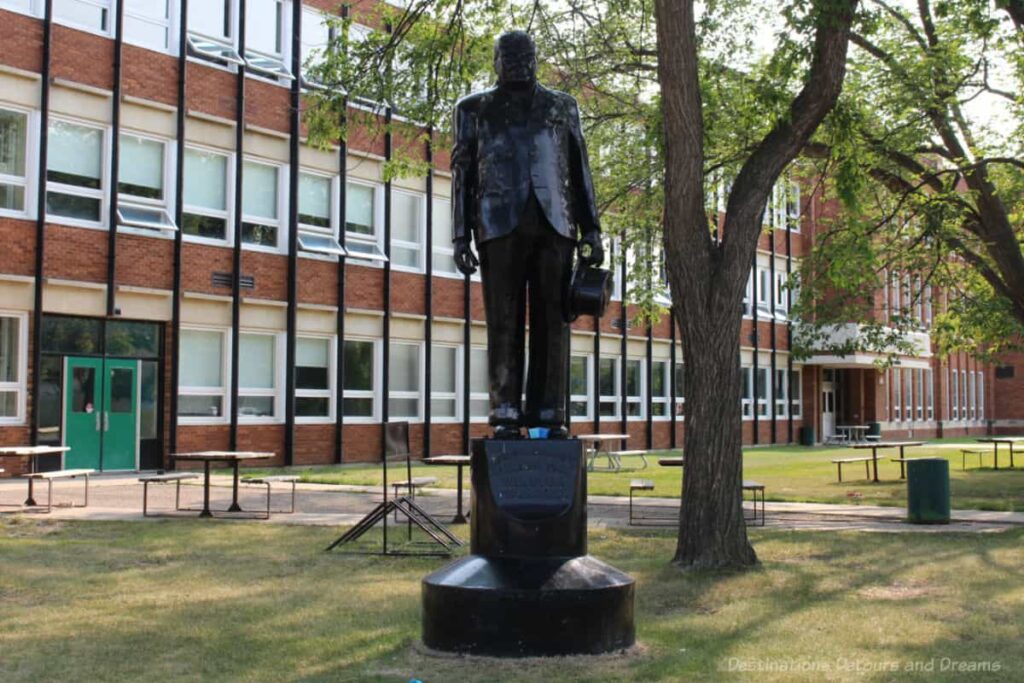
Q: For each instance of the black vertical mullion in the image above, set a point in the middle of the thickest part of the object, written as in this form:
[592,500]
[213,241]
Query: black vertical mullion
[428,289]
[754,338]
[467,340]
[293,235]
[789,330]
[649,372]
[44,139]
[179,210]
[236,253]
[595,388]
[386,333]
[623,342]
[115,156]
[773,330]
[339,380]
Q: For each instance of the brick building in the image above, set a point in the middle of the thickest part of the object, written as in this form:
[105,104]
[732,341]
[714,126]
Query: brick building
[180,311]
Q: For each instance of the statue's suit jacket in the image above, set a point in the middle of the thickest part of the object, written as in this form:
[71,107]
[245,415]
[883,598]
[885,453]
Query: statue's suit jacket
[493,168]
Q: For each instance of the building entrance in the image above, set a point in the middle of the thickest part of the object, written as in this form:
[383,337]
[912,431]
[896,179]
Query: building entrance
[101,413]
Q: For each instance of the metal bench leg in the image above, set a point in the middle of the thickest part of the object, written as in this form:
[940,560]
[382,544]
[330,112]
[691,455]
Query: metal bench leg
[86,491]
[49,496]
[268,498]
[292,511]
[145,493]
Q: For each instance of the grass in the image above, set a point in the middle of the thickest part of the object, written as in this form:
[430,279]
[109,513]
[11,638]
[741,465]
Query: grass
[794,474]
[192,600]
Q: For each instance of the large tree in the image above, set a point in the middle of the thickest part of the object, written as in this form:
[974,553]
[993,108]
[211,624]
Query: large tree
[928,159]
[667,108]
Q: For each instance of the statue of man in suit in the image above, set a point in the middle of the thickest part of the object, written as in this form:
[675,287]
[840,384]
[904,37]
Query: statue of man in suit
[521,188]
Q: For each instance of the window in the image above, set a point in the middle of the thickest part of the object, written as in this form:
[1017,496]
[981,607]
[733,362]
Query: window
[92,15]
[23,6]
[929,388]
[359,394]
[796,394]
[406,230]
[362,239]
[74,172]
[140,184]
[793,206]
[927,305]
[257,376]
[781,393]
[148,23]
[13,161]
[747,395]
[897,393]
[444,251]
[919,394]
[763,292]
[918,301]
[680,387]
[264,39]
[748,296]
[972,396]
[781,295]
[634,388]
[206,189]
[908,394]
[444,382]
[314,379]
[479,384]
[613,261]
[13,364]
[579,386]
[261,211]
[202,392]
[955,395]
[659,388]
[963,396]
[317,231]
[608,379]
[316,36]
[981,395]
[404,389]
[763,390]
[211,26]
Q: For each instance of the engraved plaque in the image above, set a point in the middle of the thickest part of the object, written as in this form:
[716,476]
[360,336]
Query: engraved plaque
[532,481]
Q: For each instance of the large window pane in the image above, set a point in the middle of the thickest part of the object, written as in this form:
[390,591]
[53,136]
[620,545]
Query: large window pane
[358,366]
[211,18]
[359,209]
[206,180]
[88,14]
[141,167]
[75,155]
[314,200]
[133,339]
[204,352]
[312,363]
[607,380]
[405,367]
[264,35]
[405,216]
[256,361]
[442,369]
[578,376]
[72,336]
[200,406]
[9,349]
[13,146]
[259,191]
[148,390]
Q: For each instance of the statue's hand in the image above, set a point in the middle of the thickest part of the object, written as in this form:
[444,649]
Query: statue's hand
[465,259]
[591,249]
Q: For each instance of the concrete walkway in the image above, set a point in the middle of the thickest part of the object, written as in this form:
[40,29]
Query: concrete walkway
[119,497]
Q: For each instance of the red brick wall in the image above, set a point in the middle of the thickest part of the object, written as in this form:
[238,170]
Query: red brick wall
[22,45]
[19,251]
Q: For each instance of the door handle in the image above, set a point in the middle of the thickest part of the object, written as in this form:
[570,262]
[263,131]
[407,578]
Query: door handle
[106,420]
[97,420]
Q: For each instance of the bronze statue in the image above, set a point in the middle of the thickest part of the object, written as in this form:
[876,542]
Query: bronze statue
[521,187]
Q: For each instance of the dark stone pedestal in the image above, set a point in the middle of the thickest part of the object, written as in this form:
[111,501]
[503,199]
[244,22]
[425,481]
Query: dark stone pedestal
[528,588]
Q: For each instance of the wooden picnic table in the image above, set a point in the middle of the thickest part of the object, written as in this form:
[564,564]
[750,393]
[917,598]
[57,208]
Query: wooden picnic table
[459,461]
[996,441]
[875,445]
[854,433]
[231,457]
[33,452]
[596,442]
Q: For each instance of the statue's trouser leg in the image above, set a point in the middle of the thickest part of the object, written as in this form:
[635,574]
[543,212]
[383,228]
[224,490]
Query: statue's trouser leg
[503,266]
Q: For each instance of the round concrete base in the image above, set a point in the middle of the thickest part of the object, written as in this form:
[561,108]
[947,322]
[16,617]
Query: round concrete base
[528,607]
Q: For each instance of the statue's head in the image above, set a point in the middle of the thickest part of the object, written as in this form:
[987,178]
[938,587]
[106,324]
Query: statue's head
[515,59]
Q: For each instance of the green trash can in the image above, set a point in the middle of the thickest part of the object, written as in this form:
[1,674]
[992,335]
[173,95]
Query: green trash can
[928,491]
[807,436]
[875,429]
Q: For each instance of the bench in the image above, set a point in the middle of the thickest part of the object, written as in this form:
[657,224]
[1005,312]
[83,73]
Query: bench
[873,437]
[970,451]
[755,488]
[845,461]
[903,464]
[413,485]
[49,478]
[167,478]
[275,479]
[648,520]
[618,455]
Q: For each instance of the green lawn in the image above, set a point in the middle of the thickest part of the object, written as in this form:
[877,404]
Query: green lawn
[192,600]
[789,473]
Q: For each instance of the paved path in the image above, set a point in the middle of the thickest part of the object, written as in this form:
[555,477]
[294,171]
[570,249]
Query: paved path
[119,497]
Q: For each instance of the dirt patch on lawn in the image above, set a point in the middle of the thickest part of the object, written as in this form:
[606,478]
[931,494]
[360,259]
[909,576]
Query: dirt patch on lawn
[898,591]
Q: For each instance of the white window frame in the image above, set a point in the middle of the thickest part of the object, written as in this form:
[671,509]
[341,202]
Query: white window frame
[963,395]
[374,393]
[170,24]
[417,394]
[29,182]
[102,193]
[447,248]
[919,394]
[224,390]
[972,396]
[478,395]
[908,395]
[585,398]
[32,8]
[308,49]
[780,392]
[955,394]
[981,395]
[748,296]
[666,399]
[331,393]
[108,5]
[747,402]
[455,395]
[274,392]
[377,238]
[227,214]
[333,230]
[272,66]
[281,223]
[763,409]
[929,376]
[793,208]
[763,291]
[421,229]
[897,394]
[680,387]
[638,399]
[20,385]
[612,399]
[795,378]
[166,204]
[228,62]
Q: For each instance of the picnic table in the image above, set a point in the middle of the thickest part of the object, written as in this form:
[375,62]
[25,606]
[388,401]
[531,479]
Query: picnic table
[875,445]
[854,433]
[32,452]
[458,461]
[231,457]
[996,441]
[596,441]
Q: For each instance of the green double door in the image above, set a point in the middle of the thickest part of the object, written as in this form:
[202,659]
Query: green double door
[101,410]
